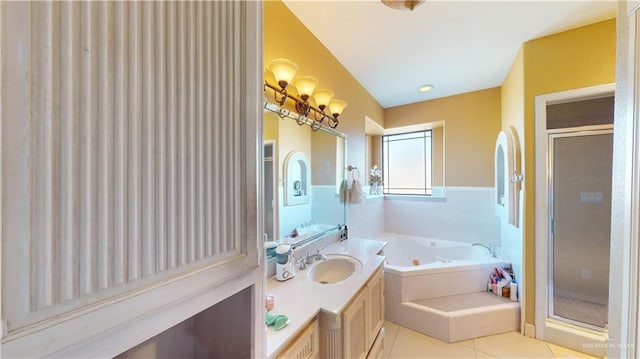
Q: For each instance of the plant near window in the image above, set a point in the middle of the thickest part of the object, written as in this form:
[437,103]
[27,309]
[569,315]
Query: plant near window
[376,175]
[375,181]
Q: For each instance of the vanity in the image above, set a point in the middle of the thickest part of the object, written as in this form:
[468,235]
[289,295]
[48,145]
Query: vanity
[335,305]
[341,319]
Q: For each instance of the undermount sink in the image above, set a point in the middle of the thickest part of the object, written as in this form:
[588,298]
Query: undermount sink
[335,269]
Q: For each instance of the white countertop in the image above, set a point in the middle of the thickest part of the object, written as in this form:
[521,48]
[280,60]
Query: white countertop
[300,298]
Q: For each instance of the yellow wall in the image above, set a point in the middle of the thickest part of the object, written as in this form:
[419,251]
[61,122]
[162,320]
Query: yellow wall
[572,59]
[270,126]
[471,125]
[324,152]
[513,99]
[285,36]
[288,137]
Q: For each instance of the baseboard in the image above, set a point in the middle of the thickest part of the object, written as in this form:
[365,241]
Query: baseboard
[529,330]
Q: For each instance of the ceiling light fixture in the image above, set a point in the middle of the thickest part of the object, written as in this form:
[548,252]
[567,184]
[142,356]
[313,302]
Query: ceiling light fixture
[425,88]
[284,73]
[402,4]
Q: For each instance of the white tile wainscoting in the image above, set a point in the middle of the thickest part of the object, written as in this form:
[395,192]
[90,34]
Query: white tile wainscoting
[466,214]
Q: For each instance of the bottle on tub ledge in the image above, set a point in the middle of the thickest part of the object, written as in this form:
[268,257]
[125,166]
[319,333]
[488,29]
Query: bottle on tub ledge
[513,295]
[502,283]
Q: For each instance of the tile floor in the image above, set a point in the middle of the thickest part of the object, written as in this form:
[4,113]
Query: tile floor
[401,343]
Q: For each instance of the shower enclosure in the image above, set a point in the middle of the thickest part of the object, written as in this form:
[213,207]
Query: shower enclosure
[580,226]
[573,181]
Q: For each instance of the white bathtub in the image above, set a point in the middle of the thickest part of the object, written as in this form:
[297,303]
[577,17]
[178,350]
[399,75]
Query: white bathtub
[408,256]
[419,271]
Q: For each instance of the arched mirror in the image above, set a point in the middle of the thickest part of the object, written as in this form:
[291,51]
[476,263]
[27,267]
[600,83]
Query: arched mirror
[297,173]
[500,175]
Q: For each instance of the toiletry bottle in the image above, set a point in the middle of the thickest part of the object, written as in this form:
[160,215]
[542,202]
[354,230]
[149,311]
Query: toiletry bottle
[513,295]
[505,291]
[499,286]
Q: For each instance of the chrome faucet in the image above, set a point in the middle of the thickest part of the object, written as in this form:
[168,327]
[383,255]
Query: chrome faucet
[317,256]
[490,247]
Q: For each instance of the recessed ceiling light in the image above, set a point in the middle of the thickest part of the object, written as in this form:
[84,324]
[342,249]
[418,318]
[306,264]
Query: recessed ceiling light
[425,88]
[402,4]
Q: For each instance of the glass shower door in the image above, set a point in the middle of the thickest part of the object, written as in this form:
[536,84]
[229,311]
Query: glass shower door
[580,206]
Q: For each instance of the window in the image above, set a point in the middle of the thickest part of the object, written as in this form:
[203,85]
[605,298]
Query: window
[407,163]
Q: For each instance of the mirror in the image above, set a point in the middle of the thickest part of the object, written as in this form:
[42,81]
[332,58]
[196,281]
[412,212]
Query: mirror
[297,184]
[303,171]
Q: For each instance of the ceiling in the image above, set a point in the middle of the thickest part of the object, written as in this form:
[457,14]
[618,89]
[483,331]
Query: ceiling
[458,46]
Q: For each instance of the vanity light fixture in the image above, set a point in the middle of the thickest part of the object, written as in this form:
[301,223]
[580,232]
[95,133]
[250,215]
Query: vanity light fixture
[284,72]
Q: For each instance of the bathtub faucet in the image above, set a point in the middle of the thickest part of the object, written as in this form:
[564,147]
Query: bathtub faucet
[490,247]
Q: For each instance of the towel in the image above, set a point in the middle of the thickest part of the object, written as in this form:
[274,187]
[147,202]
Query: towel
[344,192]
[277,321]
[356,192]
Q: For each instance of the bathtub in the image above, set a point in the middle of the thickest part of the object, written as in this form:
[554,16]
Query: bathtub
[409,256]
[422,273]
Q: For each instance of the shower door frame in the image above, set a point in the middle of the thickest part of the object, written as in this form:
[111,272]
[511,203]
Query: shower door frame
[552,135]
[545,328]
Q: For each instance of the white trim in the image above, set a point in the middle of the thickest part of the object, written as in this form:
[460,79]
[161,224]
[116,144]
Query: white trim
[580,129]
[276,206]
[541,193]
[3,322]
[623,280]
[412,128]
[632,6]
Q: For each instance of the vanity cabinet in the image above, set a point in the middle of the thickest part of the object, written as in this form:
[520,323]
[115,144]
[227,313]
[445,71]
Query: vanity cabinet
[305,346]
[357,331]
[354,326]
[377,349]
[375,305]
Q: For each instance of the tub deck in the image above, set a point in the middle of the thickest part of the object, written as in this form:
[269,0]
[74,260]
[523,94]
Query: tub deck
[460,317]
[463,302]
[438,287]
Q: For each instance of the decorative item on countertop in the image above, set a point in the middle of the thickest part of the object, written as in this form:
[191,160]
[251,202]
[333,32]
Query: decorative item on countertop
[277,321]
[269,302]
[375,181]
